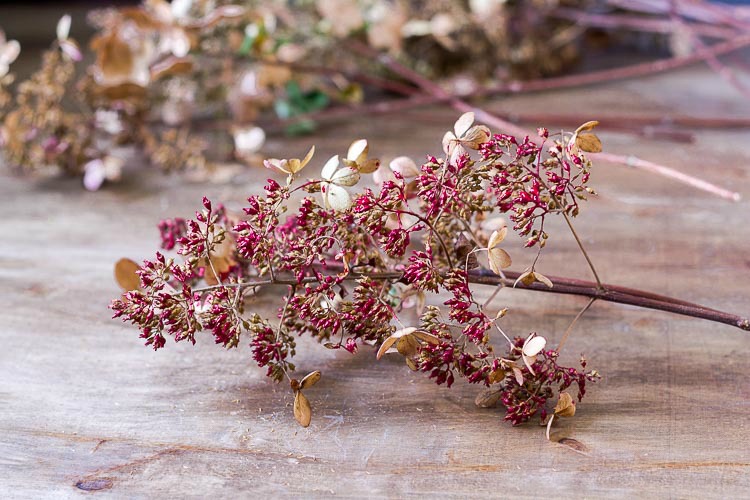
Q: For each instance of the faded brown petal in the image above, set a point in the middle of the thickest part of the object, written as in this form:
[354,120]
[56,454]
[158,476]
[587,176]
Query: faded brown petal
[476,136]
[565,406]
[310,380]
[387,345]
[589,143]
[426,337]
[125,274]
[302,409]
[114,57]
[407,345]
[411,364]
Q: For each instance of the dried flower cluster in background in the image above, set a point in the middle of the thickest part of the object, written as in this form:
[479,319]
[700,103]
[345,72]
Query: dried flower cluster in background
[166,75]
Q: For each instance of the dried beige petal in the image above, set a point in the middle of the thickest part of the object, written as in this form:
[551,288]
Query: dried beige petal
[449,139]
[476,136]
[426,337]
[499,259]
[387,344]
[497,237]
[405,166]
[565,406]
[346,176]
[302,409]
[463,124]
[335,197]
[125,274]
[518,374]
[543,279]
[310,380]
[306,159]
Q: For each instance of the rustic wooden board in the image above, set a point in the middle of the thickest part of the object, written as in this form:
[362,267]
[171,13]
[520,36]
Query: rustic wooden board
[85,407]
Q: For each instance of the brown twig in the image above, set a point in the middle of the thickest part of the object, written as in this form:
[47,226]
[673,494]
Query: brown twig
[637,23]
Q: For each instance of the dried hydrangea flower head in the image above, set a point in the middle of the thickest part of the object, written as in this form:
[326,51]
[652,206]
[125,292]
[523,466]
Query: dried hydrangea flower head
[360,265]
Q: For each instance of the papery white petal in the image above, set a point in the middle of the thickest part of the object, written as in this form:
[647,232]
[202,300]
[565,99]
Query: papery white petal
[456,151]
[4,69]
[330,168]
[442,25]
[9,52]
[71,50]
[405,166]
[463,124]
[249,140]
[179,43]
[528,361]
[534,345]
[180,8]
[357,150]
[383,174]
[63,27]
[416,27]
[347,176]
[231,11]
[448,140]
[276,164]
[335,197]
[94,175]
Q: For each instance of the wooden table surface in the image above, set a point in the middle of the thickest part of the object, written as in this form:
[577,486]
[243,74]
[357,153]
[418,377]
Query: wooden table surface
[86,409]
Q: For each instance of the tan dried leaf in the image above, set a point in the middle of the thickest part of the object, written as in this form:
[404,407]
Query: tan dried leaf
[565,406]
[125,274]
[310,380]
[302,409]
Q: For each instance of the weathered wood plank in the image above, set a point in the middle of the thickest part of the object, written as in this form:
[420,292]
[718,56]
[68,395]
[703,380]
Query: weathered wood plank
[84,406]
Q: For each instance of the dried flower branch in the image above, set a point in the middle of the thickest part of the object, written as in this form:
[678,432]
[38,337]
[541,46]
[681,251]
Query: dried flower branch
[393,267]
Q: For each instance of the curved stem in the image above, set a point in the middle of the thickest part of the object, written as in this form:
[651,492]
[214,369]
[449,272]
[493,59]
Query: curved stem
[583,250]
[614,293]
[561,285]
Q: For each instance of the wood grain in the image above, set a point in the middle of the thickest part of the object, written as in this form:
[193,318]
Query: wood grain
[86,409]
